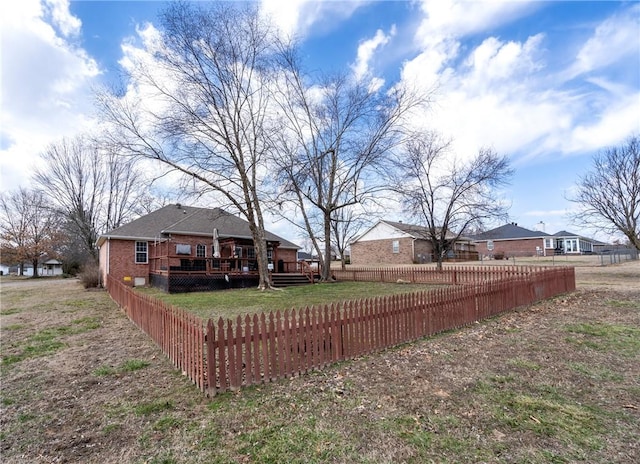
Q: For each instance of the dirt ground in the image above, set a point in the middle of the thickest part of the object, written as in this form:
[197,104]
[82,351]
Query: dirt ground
[546,383]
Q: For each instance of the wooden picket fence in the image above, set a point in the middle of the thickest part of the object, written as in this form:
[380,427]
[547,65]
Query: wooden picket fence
[178,333]
[452,275]
[229,354]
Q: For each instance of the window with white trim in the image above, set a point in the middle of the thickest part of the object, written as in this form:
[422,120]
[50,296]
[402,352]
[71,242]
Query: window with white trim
[201,251]
[548,243]
[395,245]
[142,253]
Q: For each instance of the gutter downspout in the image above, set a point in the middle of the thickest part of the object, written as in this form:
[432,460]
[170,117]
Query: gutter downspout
[413,251]
[108,259]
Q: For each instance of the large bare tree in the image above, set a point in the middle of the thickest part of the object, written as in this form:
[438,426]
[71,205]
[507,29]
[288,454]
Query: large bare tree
[446,195]
[608,196]
[203,105]
[28,227]
[92,187]
[336,137]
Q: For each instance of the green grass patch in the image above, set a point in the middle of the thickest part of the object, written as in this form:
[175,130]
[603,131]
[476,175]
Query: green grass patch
[301,443]
[545,411]
[131,365]
[107,429]
[38,345]
[14,327]
[234,302]
[524,364]
[104,371]
[631,304]
[166,423]
[153,407]
[9,311]
[596,372]
[87,323]
[607,337]
[47,341]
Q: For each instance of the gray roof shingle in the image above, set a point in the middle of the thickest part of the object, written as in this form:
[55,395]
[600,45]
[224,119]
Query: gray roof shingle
[419,231]
[509,231]
[188,220]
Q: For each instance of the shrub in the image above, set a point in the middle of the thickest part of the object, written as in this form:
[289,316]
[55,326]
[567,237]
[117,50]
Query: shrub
[71,267]
[90,276]
[498,255]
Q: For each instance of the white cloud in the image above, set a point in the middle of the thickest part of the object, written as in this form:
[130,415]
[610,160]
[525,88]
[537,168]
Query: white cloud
[616,122]
[503,94]
[46,82]
[458,18]
[614,39]
[367,49]
[295,18]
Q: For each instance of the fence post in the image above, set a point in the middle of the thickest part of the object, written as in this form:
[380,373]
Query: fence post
[211,359]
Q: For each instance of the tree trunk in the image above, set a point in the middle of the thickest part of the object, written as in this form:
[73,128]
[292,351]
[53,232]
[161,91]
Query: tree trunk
[35,267]
[326,260]
[260,244]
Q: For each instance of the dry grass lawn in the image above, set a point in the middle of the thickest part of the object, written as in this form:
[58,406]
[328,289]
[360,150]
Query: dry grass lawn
[555,382]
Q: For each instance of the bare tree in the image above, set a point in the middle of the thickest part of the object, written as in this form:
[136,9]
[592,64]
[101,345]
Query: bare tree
[205,111]
[448,196]
[333,147]
[29,228]
[608,196]
[94,188]
[346,225]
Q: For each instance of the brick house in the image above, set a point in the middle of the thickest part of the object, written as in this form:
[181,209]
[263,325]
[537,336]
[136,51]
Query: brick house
[182,248]
[390,242]
[513,240]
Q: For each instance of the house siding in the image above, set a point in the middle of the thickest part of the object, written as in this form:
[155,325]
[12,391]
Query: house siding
[381,252]
[516,247]
[121,256]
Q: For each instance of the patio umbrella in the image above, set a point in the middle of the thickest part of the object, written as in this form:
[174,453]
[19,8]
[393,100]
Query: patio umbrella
[216,244]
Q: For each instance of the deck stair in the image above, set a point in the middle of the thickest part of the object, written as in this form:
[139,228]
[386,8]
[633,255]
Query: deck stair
[288,280]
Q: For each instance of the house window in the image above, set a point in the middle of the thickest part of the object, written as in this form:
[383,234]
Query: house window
[141,253]
[548,243]
[201,251]
[183,249]
[251,253]
[396,246]
[269,254]
[237,252]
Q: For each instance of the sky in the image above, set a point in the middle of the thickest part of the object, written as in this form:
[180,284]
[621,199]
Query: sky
[546,83]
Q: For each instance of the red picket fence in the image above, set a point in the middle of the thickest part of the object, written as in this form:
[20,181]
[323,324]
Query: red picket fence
[452,275]
[180,334]
[262,347]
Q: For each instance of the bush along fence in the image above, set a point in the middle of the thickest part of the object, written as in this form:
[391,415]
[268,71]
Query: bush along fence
[229,354]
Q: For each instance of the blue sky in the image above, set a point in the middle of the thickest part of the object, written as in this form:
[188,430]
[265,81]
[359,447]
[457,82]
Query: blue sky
[546,83]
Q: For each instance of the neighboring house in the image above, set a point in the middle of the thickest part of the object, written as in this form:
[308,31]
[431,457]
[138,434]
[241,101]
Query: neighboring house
[183,248]
[570,243]
[51,267]
[512,240]
[399,243]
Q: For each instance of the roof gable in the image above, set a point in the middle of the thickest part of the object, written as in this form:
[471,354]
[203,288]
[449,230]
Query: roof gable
[564,233]
[389,230]
[187,220]
[509,232]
